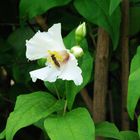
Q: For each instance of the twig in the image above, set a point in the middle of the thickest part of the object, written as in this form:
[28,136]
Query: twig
[87,99]
[92,36]
[41,22]
[6,99]
[9,24]
[125,61]
[31,26]
[111,106]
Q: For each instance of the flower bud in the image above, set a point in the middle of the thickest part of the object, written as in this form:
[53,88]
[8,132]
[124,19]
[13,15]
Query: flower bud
[80,32]
[77,51]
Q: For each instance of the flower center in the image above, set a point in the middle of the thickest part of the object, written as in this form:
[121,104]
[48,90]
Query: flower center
[58,58]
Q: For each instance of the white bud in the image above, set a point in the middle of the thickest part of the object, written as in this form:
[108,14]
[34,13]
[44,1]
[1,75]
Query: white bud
[80,32]
[77,51]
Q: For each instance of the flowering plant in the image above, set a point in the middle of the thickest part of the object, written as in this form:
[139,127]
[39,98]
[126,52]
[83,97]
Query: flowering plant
[60,63]
[65,72]
[44,65]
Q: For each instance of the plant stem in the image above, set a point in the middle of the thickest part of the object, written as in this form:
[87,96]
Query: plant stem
[65,107]
[87,99]
[101,77]
[125,62]
[57,93]
[111,108]
[92,36]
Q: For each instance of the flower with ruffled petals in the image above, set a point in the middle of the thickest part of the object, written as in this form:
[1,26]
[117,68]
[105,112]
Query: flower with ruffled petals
[60,63]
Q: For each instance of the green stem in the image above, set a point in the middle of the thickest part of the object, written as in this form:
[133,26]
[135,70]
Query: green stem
[65,107]
[66,88]
[57,93]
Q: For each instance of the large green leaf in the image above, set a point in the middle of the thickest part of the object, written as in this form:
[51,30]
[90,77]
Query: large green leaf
[30,109]
[32,8]
[2,135]
[106,129]
[113,5]
[68,87]
[97,12]
[74,125]
[129,135]
[134,20]
[134,84]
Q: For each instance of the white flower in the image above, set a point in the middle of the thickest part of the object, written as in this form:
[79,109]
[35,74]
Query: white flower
[60,64]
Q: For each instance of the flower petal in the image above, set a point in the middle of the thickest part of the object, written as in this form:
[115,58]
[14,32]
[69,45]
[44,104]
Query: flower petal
[70,71]
[55,34]
[47,73]
[41,42]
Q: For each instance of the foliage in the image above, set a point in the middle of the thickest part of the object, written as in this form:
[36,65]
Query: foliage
[35,106]
[30,9]
[102,10]
[107,129]
[76,124]
[134,80]
[55,110]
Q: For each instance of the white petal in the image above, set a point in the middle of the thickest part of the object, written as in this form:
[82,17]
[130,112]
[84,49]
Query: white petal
[70,71]
[46,74]
[55,33]
[41,42]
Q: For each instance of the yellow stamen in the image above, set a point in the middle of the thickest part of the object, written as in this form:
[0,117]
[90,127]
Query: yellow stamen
[56,58]
[57,55]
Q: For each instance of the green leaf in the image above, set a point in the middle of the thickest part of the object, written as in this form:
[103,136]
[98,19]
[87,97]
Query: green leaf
[57,87]
[97,12]
[113,5]
[6,53]
[129,135]
[106,129]
[68,88]
[18,40]
[2,135]
[135,1]
[74,125]
[32,8]
[133,84]
[134,20]
[30,109]
[139,125]
[85,63]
